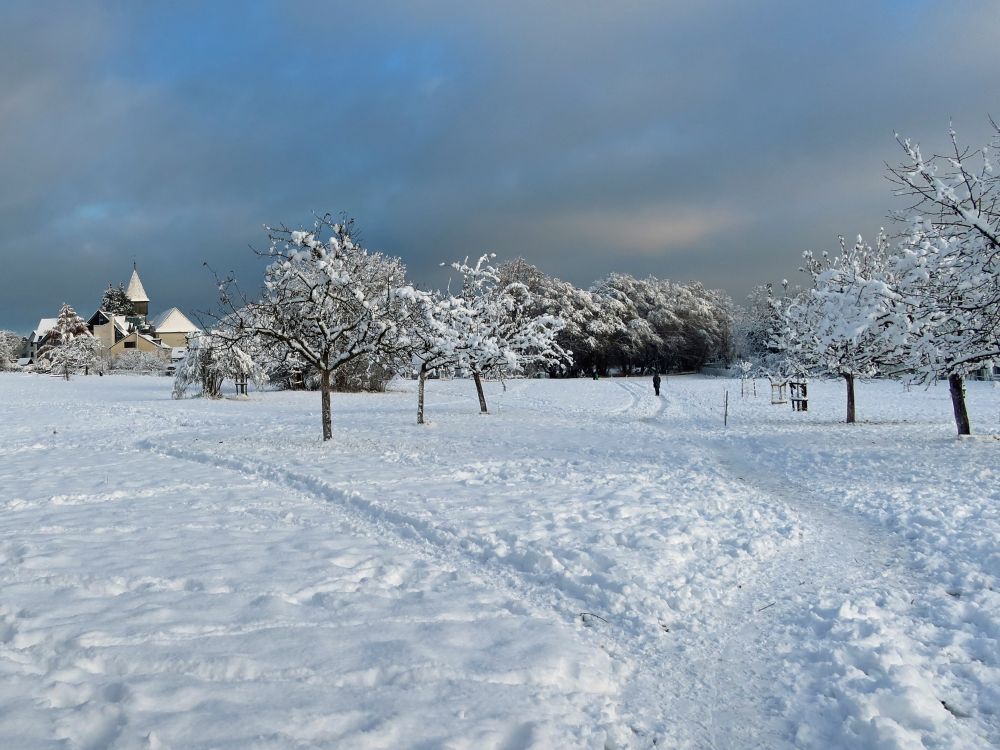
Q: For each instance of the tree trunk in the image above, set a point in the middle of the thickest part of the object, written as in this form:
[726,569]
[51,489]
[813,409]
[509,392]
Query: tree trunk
[479,389]
[420,395]
[957,387]
[327,420]
[849,378]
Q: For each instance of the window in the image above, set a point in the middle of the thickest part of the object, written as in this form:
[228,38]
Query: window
[130,345]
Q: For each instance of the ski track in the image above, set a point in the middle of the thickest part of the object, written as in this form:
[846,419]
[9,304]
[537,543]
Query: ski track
[635,641]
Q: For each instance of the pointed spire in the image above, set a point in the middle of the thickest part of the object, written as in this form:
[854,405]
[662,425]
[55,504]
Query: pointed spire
[135,291]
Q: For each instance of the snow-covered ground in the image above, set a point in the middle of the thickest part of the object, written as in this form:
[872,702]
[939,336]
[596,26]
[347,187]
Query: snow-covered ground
[587,567]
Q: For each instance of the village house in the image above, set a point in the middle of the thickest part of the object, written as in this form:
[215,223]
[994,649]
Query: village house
[38,337]
[164,335]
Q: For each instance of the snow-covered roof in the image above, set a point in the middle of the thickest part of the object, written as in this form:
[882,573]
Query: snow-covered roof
[135,292]
[173,321]
[44,326]
[120,321]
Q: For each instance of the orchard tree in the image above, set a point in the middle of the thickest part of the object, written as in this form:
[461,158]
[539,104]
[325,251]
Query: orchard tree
[951,328]
[435,337]
[498,331]
[210,360]
[949,263]
[200,367]
[326,300]
[845,323]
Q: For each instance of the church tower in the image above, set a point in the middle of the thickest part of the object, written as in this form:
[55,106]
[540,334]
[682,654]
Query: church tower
[136,293]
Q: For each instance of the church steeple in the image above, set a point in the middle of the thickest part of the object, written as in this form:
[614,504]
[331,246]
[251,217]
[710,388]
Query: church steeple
[136,293]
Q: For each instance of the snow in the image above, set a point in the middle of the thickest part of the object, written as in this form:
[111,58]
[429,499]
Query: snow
[586,567]
[173,321]
[135,291]
[44,326]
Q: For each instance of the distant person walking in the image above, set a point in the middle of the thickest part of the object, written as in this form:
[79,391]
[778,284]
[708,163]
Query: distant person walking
[656,383]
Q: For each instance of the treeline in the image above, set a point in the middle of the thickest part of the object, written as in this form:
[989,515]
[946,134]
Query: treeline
[628,324]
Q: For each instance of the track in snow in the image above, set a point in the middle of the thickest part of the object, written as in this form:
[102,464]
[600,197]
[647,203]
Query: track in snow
[839,552]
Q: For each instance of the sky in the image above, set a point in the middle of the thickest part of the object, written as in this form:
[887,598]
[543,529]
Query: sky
[709,141]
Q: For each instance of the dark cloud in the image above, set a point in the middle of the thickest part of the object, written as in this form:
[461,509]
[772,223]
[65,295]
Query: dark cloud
[711,140]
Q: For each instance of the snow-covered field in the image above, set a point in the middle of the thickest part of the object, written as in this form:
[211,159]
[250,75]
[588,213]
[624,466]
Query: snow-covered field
[587,567]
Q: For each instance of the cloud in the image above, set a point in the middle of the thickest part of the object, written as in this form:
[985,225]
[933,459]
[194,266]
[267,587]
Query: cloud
[712,140]
[653,231]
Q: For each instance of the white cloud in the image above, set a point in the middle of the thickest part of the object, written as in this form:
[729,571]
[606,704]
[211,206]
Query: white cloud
[645,231]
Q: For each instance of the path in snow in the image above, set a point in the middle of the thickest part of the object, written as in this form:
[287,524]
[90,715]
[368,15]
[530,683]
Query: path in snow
[838,552]
[843,557]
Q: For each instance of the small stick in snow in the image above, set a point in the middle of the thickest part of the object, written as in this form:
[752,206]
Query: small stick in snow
[584,615]
[766,606]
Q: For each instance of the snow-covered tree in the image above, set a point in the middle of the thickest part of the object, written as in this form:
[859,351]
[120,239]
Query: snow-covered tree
[586,332]
[949,264]
[844,324]
[636,310]
[635,324]
[68,326]
[326,300]
[664,324]
[233,363]
[198,367]
[757,326]
[779,360]
[705,323]
[116,301]
[435,337]
[135,361]
[10,349]
[499,334]
[212,359]
[83,352]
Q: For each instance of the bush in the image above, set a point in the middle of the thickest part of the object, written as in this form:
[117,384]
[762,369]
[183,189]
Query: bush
[361,375]
[139,363]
